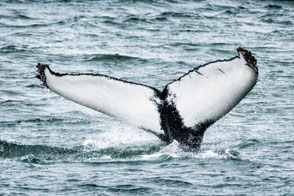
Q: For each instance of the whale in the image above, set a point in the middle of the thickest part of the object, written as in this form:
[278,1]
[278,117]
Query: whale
[182,111]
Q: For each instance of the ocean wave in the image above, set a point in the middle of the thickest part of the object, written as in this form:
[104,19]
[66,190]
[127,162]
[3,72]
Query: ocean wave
[273,6]
[112,57]
[178,14]
[136,19]
[247,144]
[42,154]
[9,24]
[14,149]
[46,154]
[12,48]
[34,120]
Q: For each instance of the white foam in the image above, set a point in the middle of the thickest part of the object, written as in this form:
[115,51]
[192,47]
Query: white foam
[120,136]
[174,150]
[210,154]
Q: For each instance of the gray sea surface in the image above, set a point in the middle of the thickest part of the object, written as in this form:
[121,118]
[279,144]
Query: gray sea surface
[51,146]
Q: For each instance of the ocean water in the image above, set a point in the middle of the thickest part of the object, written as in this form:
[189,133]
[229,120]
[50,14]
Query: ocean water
[51,146]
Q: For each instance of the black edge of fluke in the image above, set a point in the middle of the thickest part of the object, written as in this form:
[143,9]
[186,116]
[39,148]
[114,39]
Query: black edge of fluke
[251,61]
[41,71]
[42,77]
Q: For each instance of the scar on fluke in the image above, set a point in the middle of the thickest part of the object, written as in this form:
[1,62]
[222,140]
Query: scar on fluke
[221,71]
[199,73]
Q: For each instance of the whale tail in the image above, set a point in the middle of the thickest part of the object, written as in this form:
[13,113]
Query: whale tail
[182,111]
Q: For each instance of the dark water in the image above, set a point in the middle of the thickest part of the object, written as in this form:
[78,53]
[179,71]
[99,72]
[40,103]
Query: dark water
[51,146]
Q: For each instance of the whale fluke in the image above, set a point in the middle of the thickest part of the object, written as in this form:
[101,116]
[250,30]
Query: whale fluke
[182,111]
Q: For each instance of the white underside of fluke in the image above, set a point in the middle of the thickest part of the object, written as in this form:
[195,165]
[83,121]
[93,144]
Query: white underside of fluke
[130,102]
[211,91]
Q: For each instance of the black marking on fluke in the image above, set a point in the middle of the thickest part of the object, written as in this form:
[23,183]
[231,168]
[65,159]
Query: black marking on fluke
[171,121]
[174,128]
[42,76]
[250,60]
